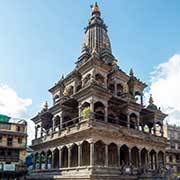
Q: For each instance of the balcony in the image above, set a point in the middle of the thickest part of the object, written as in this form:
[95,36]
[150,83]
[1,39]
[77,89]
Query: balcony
[80,124]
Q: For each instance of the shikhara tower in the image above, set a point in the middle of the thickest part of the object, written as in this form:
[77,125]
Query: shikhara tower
[98,126]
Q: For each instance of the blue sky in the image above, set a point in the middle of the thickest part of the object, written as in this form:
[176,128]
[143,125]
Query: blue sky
[41,39]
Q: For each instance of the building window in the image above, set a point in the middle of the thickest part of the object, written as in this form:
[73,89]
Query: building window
[9,140]
[0,139]
[19,140]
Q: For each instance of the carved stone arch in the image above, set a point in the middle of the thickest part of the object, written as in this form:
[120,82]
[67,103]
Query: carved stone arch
[56,158]
[64,156]
[112,155]
[49,159]
[100,79]
[74,155]
[153,159]
[99,153]
[135,156]
[144,157]
[99,110]
[85,148]
[161,159]
[124,155]
[133,120]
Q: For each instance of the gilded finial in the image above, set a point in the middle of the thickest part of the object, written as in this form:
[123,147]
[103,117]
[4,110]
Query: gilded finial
[151,99]
[95,9]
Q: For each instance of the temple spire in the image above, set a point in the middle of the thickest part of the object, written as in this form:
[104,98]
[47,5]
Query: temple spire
[151,101]
[131,73]
[95,9]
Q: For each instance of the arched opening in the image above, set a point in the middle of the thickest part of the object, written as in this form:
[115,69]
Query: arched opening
[135,156]
[64,157]
[133,121]
[85,153]
[57,121]
[85,110]
[56,158]
[70,90]
[119,89]
[67,121]
[146,128]
[99,149]
[74,156]
[111,118]
[99,111]
[112,155]
[100,79]
[37,161]
[159,129]
[160,159]
[49,159]
[144,157]
[122,120]
[124,155]
[153,159]
[43,160]
[86,79]
[112,88]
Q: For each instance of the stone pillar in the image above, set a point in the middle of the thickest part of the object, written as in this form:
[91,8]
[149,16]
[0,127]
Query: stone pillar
[36,132]
[154,125]
[52,160]
[41,131]
[118,155]
[138,121]
[79,108]
[79,154]
[69,157]
[106,113]
[106,155]
[60,163]
[92,154]
[139,153]
[130,159]
[115,88]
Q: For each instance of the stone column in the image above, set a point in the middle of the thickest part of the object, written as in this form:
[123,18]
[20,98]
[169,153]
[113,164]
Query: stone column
[154,125]
[52,160]
[79,154]
[139,153]
[79,108]
[106,113]
[41,131]
[106,155]
[138,121]
[92,154]
[36,132]
[118,156]
[69,157]
[130,158]
[60,163]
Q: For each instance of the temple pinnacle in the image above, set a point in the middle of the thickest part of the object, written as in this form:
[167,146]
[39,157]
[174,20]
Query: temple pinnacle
[95,9]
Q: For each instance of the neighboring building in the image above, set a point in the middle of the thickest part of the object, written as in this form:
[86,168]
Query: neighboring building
[98,127]
[13,140]
[173,150]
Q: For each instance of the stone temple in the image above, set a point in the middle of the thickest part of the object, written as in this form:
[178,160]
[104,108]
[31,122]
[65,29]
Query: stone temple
[98,127]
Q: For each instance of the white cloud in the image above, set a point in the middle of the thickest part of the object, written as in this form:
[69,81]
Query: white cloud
[14,106]
[165,88]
